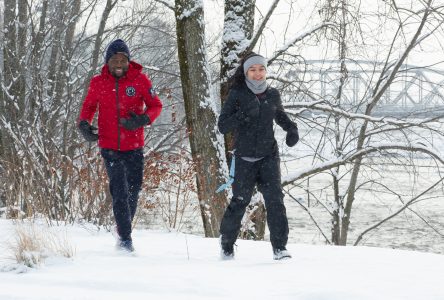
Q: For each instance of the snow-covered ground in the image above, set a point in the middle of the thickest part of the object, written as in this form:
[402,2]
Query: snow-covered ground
[178,266]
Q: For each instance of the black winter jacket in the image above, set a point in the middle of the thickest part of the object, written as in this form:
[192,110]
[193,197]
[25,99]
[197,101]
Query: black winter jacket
[254,137]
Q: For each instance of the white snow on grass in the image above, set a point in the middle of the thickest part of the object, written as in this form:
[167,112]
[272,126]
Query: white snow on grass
[178,266]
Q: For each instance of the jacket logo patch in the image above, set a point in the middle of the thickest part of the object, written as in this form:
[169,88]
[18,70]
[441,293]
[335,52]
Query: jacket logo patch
[130,91]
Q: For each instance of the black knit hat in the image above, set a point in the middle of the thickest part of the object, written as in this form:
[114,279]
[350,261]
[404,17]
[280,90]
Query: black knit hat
[117,46]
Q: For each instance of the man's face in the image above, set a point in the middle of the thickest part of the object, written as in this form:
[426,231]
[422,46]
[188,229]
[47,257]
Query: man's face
[118,65]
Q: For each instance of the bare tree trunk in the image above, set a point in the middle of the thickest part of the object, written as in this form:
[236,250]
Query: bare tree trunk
[35,61]
[54,57]
[11,75]
[21,55]
[206,145]
[10,59]
[338,197]
[237,31]
[98,42]
[336,220]
[2,95]
[381,87]
[66,53]
[9,49]
[65,105]
[13,85]
[239,19]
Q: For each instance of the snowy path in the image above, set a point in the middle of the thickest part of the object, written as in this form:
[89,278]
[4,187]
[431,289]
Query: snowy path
[161,270]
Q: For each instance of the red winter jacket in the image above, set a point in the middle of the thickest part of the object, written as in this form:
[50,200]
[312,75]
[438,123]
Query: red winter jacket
[115,99]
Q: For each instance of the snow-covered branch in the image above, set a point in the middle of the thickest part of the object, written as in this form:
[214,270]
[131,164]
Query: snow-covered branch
[262,26]
[320,106]
[335,162]
[186,13]
[298,38]
[156,69]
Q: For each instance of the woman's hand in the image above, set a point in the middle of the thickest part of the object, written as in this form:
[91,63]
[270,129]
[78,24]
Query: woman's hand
[292,136]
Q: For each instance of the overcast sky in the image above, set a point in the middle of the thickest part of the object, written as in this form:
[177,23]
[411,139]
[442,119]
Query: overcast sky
[290,19]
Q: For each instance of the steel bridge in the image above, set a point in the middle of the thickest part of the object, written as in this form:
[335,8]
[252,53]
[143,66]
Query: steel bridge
[415,91]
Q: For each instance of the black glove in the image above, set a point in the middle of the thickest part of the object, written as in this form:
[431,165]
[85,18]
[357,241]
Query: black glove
[135,121]
[87,131]
[240,115]
[292,137]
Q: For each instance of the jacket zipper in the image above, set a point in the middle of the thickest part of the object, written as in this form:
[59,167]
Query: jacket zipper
[118,114]
[257,126]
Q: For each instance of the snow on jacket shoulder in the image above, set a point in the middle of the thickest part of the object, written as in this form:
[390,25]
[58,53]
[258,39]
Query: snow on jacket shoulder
[115,99]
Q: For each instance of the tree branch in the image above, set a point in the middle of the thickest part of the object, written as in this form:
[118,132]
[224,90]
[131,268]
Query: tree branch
[358,154]
[378,94]
[311,217]
[298,38]
[167,4]
[407,204]
[262,26]
[320,106]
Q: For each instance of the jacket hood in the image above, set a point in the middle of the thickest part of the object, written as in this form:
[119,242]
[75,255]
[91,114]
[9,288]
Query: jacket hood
[134,69]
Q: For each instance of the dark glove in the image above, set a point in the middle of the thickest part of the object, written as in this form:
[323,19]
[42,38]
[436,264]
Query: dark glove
[292,137]
[135,121]
[240,115]
[87,131]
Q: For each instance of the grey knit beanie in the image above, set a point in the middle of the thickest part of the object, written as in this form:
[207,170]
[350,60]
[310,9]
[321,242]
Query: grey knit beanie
[254,60]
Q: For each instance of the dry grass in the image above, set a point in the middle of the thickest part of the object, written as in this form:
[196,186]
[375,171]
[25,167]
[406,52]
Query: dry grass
[32,245]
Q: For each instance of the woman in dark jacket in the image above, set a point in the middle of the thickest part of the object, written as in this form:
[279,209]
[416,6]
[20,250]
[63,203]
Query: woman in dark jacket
[248,112]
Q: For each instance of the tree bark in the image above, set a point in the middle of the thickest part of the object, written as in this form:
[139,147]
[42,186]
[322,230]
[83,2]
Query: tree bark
[200,108]
[54,57]
[35,61]
[21,55]
[238,22]
[65,99]
[11,76]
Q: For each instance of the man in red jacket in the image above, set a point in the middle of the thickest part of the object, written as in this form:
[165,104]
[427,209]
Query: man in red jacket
[126,102]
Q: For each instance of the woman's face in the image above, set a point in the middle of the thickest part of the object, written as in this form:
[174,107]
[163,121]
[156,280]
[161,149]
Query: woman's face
[257,72]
